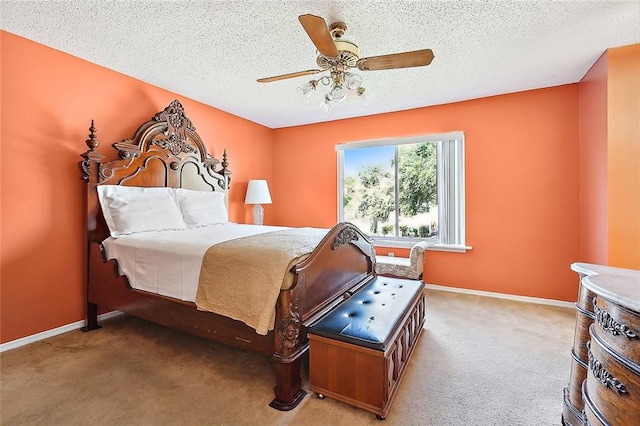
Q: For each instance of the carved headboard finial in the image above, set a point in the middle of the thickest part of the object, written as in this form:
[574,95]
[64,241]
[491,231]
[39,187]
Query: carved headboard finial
[224,163]
[177,125]
[91,155]
[92,142]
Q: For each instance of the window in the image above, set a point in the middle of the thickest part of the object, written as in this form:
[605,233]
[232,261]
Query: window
[404,190]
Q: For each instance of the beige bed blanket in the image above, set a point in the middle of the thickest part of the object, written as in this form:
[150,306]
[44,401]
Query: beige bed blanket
[242,278]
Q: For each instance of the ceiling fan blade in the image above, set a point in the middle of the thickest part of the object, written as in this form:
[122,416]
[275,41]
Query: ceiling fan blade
[416,58]
[319,34]
[284,76]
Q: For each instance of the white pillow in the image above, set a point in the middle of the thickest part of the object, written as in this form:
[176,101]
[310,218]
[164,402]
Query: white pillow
[131,209]
[202,208]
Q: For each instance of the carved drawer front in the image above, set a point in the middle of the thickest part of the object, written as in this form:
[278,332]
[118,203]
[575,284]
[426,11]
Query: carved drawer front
[577,375]
[579,359]
[613,384]
[571,416]
[573,404]
[584,319]
[618,327]
[590,416]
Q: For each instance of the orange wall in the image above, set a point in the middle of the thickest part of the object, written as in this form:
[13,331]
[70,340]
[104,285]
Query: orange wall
[48,101]
[623,156]
[610,159]
[522,178]
[593,163]
[521,186]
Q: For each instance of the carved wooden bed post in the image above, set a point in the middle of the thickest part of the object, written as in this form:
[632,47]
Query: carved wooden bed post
[288,353]
[90,168]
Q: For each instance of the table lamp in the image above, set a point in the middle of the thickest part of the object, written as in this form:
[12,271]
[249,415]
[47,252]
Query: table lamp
[257,194]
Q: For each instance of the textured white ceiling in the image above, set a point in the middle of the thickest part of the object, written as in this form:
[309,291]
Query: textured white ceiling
[213,51]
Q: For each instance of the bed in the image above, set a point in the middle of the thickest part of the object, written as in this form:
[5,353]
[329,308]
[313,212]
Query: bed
[166,153]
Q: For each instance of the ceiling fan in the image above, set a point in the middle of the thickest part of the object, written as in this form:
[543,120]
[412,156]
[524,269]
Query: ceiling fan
[337,56]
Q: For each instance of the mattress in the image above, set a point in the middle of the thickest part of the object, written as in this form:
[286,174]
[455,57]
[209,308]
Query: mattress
[168,262]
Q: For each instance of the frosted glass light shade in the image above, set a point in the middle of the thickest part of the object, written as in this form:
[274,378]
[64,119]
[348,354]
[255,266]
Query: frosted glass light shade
[306,90]
[325,105]
[363,97]
[338,93]
[352,81]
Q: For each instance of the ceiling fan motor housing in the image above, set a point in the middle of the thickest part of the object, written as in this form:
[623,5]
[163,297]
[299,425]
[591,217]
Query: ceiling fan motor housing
[348,55]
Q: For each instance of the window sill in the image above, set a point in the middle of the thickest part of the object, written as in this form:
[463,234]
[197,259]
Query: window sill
[407,244]
[449,247]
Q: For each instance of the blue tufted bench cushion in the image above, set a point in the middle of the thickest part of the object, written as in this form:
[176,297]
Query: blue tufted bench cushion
[371,316]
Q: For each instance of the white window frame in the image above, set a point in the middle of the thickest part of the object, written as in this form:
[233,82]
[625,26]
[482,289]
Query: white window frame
[451,189]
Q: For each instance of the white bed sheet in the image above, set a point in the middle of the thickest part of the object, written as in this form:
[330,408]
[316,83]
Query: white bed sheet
[168,262]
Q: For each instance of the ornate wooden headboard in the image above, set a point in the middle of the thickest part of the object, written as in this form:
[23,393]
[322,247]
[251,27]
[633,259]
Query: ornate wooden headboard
[164,151]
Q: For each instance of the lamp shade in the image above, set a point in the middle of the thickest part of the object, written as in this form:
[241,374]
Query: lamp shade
[257,192]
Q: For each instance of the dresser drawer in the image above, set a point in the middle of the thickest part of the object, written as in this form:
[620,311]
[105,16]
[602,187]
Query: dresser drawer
[613,383]
[618,327]
[591,416]
[577,375]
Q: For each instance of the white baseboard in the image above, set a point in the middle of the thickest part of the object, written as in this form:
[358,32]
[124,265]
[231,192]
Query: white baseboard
[53,332]
[528,299]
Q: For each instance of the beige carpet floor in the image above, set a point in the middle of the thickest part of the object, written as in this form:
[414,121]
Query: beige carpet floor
[480,361]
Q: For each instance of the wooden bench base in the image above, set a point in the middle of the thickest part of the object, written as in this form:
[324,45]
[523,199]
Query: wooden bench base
[362,376]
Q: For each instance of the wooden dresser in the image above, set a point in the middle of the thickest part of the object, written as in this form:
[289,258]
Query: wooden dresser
[604,383]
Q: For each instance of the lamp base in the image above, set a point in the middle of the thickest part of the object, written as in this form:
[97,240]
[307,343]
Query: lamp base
[258,214]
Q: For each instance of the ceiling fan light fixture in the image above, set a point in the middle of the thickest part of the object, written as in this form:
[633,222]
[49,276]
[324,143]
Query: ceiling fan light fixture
[338,93]
[352,80]
[363,96]
[306,90]
[325,106]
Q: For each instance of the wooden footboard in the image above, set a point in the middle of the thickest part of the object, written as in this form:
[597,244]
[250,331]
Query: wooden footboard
[343,262]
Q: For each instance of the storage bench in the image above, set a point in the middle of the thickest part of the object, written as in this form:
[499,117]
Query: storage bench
[360,350]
